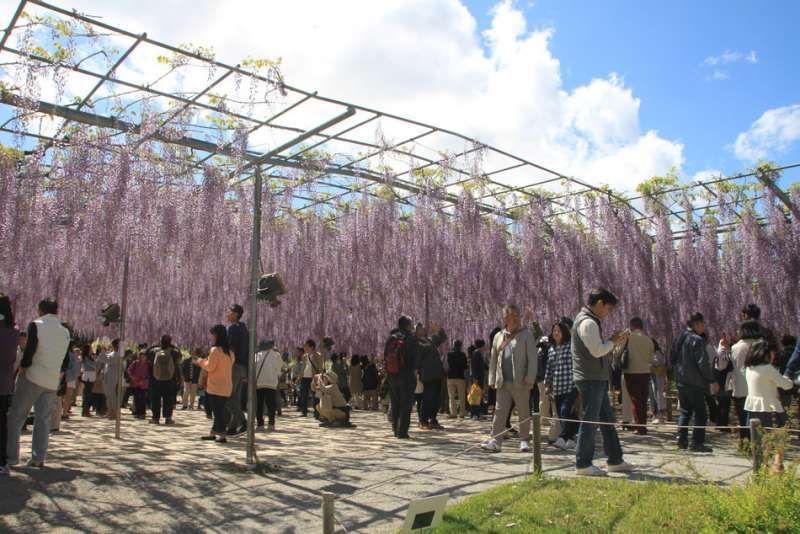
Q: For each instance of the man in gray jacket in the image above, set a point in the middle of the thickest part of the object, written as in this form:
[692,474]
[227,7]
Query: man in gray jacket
[512,373]
[590,370]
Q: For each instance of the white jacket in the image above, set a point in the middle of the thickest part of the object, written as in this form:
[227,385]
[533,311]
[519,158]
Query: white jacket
[268,368]
[763,382]
[736,381]
[53,342]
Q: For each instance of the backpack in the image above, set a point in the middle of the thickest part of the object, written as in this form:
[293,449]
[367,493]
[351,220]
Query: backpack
[163,365]
[394,355]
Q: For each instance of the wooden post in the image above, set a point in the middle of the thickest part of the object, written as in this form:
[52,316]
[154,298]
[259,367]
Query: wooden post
[537,443]
[755,443]
[121,349]
[328,526]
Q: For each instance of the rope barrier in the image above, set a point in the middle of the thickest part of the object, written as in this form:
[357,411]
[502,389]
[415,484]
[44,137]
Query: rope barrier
[667,425]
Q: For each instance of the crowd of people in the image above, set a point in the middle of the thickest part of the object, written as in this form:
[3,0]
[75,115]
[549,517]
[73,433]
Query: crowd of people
[572,374]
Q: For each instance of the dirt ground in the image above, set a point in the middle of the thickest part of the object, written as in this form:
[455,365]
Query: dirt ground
[164,479]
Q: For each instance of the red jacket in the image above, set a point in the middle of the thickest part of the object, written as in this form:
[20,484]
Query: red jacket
[139,371]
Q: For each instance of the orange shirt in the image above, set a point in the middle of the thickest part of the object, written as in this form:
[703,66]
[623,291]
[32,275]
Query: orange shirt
[219,368]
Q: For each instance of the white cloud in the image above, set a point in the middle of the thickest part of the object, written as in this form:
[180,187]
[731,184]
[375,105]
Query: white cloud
[728,57]
[426,60]
[773,133]
[719,74]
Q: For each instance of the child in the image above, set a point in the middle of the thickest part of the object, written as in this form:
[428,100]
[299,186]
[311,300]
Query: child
[474,399]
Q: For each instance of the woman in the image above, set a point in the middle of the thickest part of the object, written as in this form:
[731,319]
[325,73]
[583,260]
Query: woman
[559,384]
[763,382]
[218,365]
[139,373]
[736,383]
[356,384]
[111,375]
[88,377]
[9,339]
[71,379]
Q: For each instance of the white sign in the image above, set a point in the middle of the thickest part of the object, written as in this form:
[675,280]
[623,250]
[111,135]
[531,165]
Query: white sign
[424,513]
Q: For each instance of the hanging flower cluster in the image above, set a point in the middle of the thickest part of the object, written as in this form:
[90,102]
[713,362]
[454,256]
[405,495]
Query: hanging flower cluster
[66,226]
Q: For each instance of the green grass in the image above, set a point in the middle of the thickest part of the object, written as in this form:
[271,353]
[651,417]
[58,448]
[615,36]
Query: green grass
[769,504]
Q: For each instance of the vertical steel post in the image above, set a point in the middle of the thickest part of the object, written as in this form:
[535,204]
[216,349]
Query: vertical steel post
[121,349]
[255,255]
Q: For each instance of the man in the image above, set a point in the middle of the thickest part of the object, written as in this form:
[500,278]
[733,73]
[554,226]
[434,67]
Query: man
[165,379]
[296,375]
[590,370]
[44,360]
[431,372]
[512,373]
[793,366]
[332,406]
[693,376]
[401,357]
[239,341]
[641,350]
[313,364]
[456,383]
[268,369]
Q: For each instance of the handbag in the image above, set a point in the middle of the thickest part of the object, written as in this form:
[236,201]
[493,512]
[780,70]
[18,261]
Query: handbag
[625,357]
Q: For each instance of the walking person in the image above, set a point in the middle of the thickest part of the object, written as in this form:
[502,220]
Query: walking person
[636,368]
[165,380]
[239,341]
[356,384]
[559,384]
[268,370]
[400,356]
[219,386]
[71,380]
[431,372]
[456,382]
[43,362]
[139,373]
[764,381]
[9,341]
[313,364]
[369,379]
[749,332]
[693,377]
[191,376]
[88,377]
[111,362]
[512,373]
[590,370]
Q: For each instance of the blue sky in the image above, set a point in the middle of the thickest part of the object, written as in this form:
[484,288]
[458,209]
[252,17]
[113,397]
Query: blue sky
[658,48]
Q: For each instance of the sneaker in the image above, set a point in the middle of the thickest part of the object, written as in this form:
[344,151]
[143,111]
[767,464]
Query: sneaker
[425,427]
[185,408]
[682,445]
[524,446]
[699,447]
[270,428]
[623,467]
[571,445]
[169,422]
[208,438]
[512,433]
[560,444]
[33,463]
[436,426]
[259,428]
[491,446]
[591,471]
[222,439]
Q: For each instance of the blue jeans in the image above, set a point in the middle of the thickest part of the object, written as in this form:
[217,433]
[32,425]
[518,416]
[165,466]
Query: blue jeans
[693,402]
[596,407]
[566,404]
[29,395]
